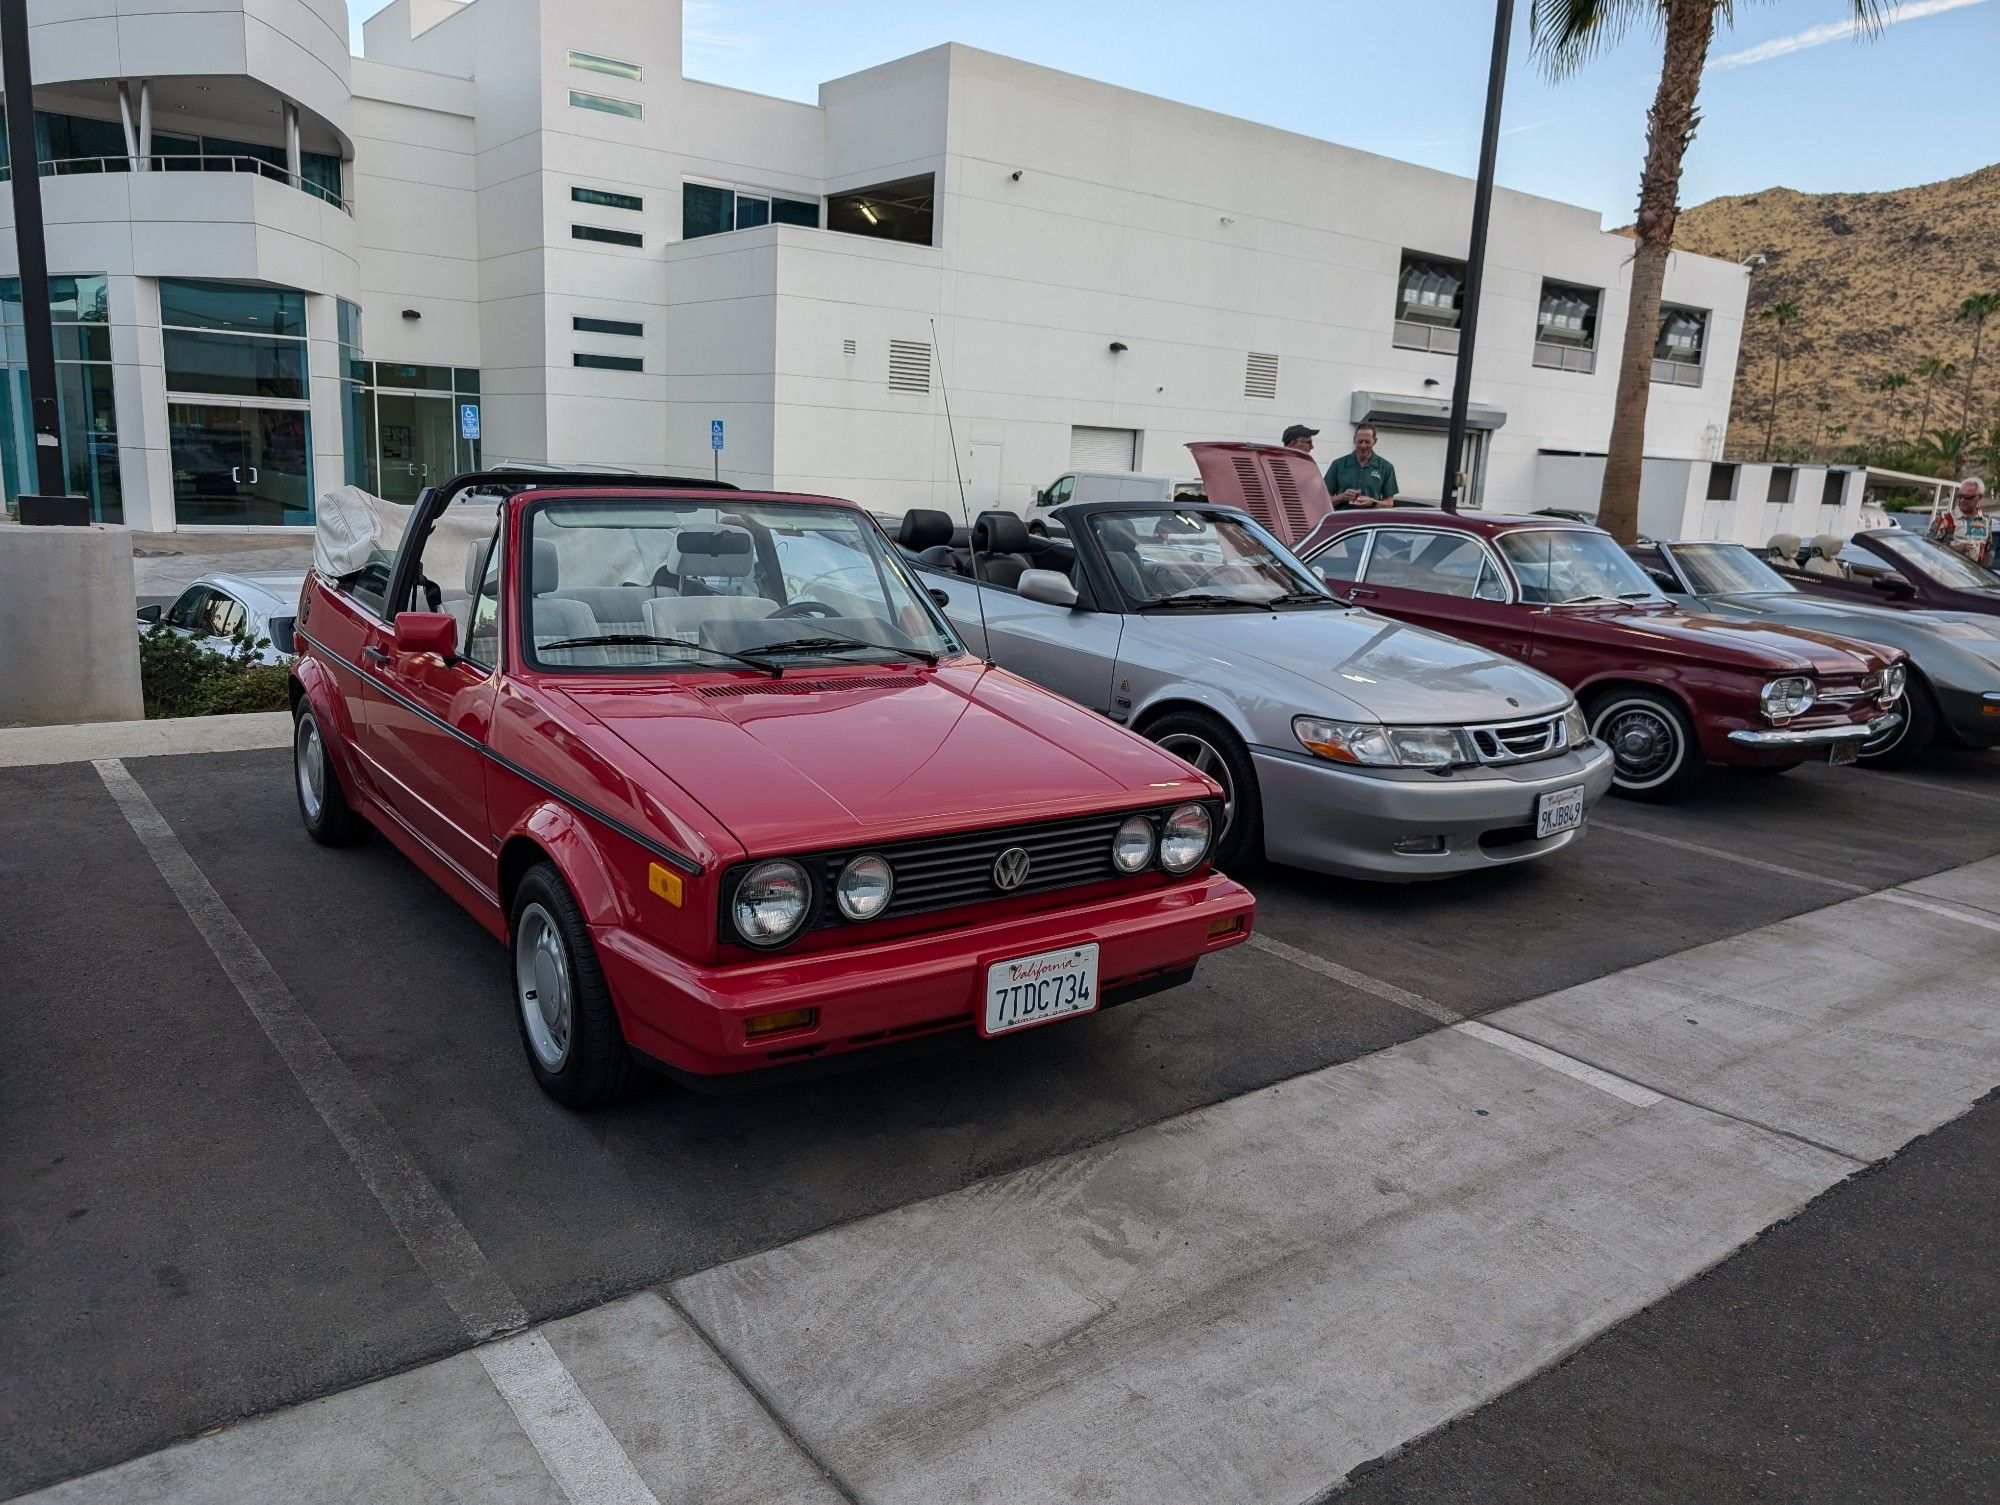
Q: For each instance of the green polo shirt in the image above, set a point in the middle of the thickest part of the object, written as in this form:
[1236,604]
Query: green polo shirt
[1375,479]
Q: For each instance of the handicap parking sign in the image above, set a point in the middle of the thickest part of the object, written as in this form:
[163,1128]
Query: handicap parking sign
[715,433]
[468,420]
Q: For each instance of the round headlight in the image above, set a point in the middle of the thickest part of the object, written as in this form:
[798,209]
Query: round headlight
[864,887]
[1895,679]
[1184,838]
[1785,698]
[1132,847]
[772,902]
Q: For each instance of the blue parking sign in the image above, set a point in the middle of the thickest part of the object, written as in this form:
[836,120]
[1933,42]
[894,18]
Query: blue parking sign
[715,433]
[468,420]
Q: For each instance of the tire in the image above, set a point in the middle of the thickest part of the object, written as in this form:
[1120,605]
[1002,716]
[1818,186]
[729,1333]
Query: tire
[1216,751]
[561,1002]
[1655,754]
[329,819]
[1911,740]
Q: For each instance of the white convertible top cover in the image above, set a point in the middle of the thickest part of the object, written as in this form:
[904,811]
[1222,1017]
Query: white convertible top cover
[350,526]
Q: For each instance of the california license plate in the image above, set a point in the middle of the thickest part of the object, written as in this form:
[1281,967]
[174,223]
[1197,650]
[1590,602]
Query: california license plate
[1843,752]
[1558,811]
[1033,990]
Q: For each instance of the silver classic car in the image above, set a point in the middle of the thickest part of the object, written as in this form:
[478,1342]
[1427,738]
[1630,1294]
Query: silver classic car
[1344,742]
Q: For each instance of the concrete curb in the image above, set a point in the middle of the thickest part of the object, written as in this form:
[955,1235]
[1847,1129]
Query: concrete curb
[26,746]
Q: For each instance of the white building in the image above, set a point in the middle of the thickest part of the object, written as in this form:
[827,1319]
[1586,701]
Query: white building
[515,231]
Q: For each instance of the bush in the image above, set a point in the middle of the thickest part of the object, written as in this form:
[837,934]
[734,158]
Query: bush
[179,677]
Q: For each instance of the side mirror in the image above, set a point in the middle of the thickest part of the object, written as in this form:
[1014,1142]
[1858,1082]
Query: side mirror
[1665,581]
[1047,587]
[151,613]
[1042,497]
[1894,586]
[426,632]
[940,597]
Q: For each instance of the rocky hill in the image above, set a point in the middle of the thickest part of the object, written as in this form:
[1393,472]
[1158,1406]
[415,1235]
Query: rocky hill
[1877,277]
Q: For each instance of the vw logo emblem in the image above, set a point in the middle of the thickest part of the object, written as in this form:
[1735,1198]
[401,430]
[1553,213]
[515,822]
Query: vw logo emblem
[1010,868]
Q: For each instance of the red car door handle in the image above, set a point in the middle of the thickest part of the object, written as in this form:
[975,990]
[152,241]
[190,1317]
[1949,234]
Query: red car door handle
[1360,593]
[375,655]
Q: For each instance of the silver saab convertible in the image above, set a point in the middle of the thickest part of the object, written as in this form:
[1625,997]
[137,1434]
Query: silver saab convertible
[1344,742]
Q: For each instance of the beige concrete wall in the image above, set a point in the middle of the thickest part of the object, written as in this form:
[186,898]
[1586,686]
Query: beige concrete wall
[69,647]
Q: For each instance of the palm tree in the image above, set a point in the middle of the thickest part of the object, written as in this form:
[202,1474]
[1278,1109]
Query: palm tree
[1893,383]
[1978,308]
[1821,408]
[1565,34]
[1780,314]
[1946,450]
[1933,369]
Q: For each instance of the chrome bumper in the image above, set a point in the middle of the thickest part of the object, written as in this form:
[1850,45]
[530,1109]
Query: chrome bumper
[1818,736]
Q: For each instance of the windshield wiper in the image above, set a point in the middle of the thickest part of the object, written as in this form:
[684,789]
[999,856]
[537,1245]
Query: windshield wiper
[1200,598]
[648,640]
[1636,595]
[832,642]
[1583,600]
[1302,598]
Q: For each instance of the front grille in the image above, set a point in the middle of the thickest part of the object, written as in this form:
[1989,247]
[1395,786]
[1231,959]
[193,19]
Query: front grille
[1850,688]
[1519,741]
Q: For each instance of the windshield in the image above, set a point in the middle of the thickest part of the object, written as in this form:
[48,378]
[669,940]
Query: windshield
[699,584]
[1721,569]
[1167,559]
[1571,566]
[1937,563]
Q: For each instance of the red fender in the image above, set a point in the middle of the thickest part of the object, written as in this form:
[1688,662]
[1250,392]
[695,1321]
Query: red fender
[556,830]
[336,727]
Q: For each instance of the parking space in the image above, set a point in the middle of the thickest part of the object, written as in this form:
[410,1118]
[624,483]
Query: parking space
[187,1242]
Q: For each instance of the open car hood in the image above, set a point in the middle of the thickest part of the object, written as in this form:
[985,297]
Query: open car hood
[873,754]
[1324,662]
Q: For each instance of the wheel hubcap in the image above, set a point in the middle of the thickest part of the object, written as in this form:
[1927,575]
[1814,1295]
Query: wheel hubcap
[541,980]
[310,757]
[1200,752]
[1642,743]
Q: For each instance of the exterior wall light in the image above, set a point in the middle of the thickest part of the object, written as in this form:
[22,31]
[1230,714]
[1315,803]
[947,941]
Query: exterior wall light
[1118,347]
[411,313]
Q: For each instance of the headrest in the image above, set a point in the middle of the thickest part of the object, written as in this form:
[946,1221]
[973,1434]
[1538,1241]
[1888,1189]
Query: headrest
[709,553]
[548,572]
[1827,545]
[475,566]
[1783,546]
[923,528]
[999,533]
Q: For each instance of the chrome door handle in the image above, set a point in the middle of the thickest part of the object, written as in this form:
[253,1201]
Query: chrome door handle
[1359,593]
[255,473]
[236,475]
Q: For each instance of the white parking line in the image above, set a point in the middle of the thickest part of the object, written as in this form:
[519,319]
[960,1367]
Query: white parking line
[1958,790]
[1959,915]
[1569,1066]
[557,1416]
[1360,981]
[1599,823]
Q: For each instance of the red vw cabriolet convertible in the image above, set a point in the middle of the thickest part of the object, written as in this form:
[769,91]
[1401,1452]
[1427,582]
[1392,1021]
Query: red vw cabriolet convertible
[714,767]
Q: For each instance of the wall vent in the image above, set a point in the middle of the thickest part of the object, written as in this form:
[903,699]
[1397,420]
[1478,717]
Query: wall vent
[1260,376]
[847,347]
[909,366]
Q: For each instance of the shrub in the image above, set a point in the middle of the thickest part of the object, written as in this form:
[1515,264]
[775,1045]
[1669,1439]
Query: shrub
[179,677]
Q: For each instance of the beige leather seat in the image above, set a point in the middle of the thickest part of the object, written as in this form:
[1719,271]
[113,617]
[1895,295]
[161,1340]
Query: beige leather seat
[1825,556]
[1783,550]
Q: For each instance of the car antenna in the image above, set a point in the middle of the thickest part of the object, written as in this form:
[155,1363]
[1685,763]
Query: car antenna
[964,507]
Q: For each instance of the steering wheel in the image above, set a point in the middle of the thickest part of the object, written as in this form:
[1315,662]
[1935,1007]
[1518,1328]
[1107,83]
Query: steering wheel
[802,609]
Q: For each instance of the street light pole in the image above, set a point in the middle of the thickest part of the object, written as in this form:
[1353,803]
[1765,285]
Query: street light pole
[1475,260]
[33,252]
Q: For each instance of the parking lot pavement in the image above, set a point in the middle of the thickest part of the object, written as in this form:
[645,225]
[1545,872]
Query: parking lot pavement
[189,1244]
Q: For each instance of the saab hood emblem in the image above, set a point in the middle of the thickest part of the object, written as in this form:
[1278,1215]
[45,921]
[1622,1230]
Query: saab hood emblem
[1010,868]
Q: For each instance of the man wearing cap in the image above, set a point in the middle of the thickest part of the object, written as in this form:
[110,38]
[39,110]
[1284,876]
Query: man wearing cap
[1362,478]
[1299,437]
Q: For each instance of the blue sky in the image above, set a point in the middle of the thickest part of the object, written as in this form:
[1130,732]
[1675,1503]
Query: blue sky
[1789,99]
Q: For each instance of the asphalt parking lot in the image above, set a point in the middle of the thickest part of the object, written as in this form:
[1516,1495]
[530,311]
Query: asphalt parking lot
[186,1244]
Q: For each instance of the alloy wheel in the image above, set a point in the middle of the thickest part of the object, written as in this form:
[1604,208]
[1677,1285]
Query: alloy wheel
[542,986]
[1209,760]
[309,760]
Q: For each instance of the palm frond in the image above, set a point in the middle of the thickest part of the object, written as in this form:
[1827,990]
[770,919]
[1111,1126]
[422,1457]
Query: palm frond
[1565,34]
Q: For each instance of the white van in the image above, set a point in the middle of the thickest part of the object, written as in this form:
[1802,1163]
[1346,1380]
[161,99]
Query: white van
[1110,486]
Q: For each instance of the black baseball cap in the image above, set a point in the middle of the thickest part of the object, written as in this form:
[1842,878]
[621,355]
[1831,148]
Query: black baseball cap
[1297,431]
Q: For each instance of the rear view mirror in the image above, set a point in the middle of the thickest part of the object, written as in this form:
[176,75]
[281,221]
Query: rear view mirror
[1894,586]
[1047,587]
[426,632]
[151,613]
[1665,581]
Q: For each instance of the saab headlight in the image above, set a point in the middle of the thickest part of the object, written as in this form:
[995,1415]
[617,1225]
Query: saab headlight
[771,903]
[1381,746]
[864,887]
[1132,847]
[1184,838]
[1788,697]
[1425,746]
[1894,679]
[1576,726]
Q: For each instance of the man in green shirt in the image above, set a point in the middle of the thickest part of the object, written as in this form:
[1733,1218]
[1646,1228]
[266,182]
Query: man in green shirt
[1363,478]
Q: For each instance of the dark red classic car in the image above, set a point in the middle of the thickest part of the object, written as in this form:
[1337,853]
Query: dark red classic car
[714,767]
[1897,567]
[1668,690]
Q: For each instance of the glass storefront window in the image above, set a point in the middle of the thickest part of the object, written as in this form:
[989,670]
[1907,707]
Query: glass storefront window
[241,465]
[235,365]
[246,462]
[86,413]
[235,307]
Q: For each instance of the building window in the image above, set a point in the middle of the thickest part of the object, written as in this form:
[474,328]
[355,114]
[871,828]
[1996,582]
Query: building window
[710,209]
[592,62]
[1833,488]
[606,326]
[1430,298]
[1260,375]
[1677,354]
[1566,328]
[419,425]
[357,414]
[904,210]
[239,431]
[1779,492]
[607,362]
[606,237]
[86,414]
[1721,482]
[603,198]
[631,109]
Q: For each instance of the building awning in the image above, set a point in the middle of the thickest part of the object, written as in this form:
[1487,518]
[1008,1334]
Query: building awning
[1404,411]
